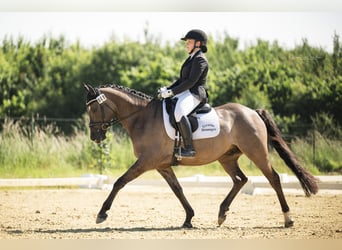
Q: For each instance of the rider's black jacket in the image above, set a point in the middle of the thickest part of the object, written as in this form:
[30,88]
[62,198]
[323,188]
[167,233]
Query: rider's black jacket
[193,76]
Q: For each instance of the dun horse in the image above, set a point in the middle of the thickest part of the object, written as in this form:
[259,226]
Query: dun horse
[242,131]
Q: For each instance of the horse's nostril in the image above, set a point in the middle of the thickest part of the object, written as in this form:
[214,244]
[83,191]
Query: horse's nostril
[98,136]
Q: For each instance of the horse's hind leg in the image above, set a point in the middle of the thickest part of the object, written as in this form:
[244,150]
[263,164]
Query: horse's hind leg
[171,179]
[273,178]
[231,166]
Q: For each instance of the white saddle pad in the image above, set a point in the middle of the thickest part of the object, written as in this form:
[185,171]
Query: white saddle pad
[208,125]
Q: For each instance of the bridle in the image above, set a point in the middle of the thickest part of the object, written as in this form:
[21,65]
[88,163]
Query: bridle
[102,99]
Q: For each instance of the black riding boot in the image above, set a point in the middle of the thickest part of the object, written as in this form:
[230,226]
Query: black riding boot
[185,130]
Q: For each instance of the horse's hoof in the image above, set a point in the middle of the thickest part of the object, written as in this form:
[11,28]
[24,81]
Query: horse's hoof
[101,218]
[289,223]
[221,219]
[187,225]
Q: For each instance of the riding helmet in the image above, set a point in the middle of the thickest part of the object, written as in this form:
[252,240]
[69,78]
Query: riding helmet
[197,35]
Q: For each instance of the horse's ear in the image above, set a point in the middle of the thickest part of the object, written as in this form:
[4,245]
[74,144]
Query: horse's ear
[89,89]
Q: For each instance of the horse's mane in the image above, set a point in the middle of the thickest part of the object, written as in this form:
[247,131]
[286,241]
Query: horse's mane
[130,91]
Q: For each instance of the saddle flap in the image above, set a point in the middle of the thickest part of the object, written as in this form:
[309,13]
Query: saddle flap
[207,122]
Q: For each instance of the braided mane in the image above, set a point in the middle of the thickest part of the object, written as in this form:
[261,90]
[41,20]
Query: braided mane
[130,91]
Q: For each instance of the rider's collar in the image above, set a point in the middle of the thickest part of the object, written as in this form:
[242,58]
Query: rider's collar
[193,53]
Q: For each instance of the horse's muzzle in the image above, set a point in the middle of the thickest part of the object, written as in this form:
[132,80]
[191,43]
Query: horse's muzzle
[98,135]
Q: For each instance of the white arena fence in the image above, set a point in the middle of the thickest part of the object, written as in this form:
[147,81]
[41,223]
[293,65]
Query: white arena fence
[255,184]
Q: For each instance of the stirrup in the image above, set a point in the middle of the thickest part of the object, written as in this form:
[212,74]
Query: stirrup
[186,153]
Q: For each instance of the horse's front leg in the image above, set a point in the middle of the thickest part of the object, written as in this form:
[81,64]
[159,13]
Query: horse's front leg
[133,172]
[171,179]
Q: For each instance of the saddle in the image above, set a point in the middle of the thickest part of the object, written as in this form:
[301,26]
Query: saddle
[202,108]
[203,120]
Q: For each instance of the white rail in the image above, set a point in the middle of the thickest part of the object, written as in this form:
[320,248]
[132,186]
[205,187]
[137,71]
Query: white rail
[255,184]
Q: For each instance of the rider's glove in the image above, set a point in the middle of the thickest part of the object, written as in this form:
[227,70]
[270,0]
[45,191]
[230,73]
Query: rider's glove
[165,93]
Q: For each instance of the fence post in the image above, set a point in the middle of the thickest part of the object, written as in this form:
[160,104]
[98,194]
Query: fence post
[32,129]
[314,146]
[101,157]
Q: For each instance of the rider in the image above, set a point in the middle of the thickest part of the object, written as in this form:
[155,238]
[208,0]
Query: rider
[189,89]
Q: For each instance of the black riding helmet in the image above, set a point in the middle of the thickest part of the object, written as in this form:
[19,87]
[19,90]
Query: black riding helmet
[197,35]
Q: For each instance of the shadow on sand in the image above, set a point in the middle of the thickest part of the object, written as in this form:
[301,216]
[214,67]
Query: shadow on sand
[132,229]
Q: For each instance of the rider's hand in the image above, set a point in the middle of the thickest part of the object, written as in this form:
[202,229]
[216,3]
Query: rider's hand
[165,93]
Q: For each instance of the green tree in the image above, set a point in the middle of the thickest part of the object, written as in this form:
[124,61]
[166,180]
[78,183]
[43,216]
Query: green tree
[47,77]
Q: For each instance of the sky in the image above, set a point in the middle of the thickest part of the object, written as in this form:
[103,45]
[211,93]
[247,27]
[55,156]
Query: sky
[96,28]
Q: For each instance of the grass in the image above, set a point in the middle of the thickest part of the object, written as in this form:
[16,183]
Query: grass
[322,156]
[39,155]
[47,153]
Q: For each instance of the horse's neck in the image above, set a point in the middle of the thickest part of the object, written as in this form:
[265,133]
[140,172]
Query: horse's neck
[128,107]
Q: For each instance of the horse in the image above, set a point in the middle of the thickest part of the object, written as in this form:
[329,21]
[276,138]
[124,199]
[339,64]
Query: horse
[242,131]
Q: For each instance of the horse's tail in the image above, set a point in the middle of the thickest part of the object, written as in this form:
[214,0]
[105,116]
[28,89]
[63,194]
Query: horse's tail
[308,182]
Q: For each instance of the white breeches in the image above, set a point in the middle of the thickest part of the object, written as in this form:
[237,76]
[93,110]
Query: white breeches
[185,104]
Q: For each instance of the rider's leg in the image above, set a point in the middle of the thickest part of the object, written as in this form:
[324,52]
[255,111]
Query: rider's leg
[185,105]
[185,130]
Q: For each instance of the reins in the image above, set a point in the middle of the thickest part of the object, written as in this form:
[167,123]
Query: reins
[113,122]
